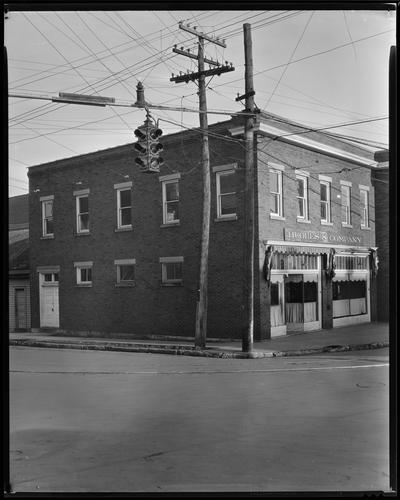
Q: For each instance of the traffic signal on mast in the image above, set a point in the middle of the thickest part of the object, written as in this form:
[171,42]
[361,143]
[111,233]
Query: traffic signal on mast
[148,147]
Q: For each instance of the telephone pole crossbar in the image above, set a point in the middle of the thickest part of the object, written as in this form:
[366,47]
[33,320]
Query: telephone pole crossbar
[187,53]
[195,76]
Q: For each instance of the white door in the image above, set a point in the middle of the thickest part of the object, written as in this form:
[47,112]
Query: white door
[49,311]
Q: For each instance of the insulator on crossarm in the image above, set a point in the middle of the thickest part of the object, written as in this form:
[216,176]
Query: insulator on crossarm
[181,48]
[175,46]
[195,27]
[188,50]
[172,75]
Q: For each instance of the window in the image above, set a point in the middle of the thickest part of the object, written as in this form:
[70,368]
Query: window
[51,277]
[84,273]
[171,270]
[82,211]
[125,271]
[124,208]
[302,197]
[325,193]
[226,194]
[346,207]
[364,202]
[47,216]
[170,197]
[275,177]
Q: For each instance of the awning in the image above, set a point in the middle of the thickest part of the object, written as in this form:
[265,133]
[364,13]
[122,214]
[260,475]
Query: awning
[350,276]
[292,249]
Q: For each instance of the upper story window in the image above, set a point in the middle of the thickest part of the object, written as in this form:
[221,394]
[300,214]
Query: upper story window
[124,205]
[325,199]
[171,270]
[302,195]
[345,194]
[276,183]
[82,211]
[364,203]
[170,198]
[83,273]
[226,191]
[47,216]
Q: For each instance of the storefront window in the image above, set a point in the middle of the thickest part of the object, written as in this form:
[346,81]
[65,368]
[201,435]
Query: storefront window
[349,298]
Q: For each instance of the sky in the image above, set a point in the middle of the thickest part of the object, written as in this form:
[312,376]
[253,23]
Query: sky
[318,68]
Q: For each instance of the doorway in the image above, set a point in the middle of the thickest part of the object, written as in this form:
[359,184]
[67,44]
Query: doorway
[49,308]
[21,322]
[302,302]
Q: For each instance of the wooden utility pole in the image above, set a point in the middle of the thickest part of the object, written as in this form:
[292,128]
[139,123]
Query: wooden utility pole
[200,75]
[247,339]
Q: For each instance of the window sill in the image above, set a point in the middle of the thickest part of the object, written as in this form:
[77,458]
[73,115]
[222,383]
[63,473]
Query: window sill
[304,221]
[171,284]
[365,228]
[83,285]
[324,223]
[123,229]
[171,224]
[276,217]
[227,218]
[47,237]
[83,234]
[347,225]
[125,285]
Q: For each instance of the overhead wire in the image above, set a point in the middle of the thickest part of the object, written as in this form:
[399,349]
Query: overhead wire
[290,59]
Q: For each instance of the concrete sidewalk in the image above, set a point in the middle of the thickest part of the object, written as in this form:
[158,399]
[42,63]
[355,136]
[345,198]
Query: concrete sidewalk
[356,337]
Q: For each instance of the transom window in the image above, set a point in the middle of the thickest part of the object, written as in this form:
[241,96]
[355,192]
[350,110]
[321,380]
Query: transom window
[50,277]
[294,261]
[124,202]
[351,262]
[275,177]
[302,197]
[226,194]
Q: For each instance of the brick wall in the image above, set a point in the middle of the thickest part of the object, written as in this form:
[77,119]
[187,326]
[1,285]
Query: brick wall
[147,308]
[293,157]
[381,183]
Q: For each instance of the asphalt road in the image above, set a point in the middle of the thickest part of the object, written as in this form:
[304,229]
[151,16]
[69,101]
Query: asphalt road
[90,421]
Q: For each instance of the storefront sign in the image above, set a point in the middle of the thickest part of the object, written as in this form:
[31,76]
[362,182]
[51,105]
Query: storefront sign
[322,237]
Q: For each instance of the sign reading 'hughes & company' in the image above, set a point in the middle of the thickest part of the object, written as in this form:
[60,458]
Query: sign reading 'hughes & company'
[322,237]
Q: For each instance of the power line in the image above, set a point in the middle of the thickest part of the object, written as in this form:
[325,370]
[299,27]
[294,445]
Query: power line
[291,57]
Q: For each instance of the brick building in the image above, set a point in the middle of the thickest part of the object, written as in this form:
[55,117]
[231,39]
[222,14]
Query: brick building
[115,251]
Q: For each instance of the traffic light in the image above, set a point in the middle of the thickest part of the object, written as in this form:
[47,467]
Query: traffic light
[148,147]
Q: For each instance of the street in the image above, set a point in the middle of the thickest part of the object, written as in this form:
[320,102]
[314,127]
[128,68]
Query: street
[125,422]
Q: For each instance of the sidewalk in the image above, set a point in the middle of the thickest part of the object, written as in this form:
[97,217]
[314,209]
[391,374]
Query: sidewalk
[354,337]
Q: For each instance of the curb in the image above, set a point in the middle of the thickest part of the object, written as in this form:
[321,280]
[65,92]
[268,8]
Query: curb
[192,351]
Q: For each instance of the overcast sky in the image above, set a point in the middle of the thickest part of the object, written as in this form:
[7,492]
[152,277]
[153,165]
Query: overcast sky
[320,68]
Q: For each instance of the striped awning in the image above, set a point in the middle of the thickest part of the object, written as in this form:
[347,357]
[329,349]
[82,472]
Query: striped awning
[297,249]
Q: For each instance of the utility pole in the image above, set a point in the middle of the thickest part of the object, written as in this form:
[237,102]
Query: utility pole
[248,331]
[200,75]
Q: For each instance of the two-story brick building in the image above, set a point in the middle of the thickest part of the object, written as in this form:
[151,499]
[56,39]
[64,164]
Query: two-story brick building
[116,251]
